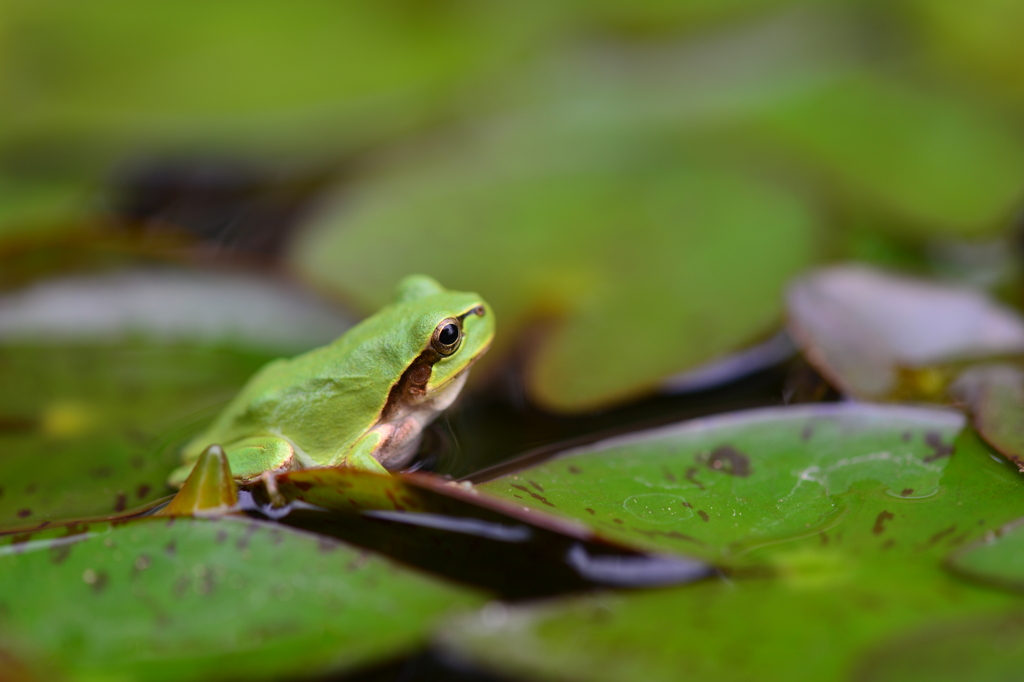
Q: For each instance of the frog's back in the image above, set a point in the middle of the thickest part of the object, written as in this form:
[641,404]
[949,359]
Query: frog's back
[322,400]
[325,399]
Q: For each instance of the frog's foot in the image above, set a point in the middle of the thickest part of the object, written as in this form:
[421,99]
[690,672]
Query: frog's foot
[361,455]
[269,480]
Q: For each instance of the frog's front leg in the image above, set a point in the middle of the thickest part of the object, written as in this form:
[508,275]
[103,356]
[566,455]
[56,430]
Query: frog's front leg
[361,455]
[249,458]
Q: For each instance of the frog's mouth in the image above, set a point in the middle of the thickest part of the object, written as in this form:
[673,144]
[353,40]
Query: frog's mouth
[432,387]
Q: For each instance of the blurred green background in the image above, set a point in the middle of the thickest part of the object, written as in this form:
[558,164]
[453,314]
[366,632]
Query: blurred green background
[630,184]
[190,189]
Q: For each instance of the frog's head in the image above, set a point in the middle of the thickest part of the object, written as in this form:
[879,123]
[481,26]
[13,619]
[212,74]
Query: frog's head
[450,329]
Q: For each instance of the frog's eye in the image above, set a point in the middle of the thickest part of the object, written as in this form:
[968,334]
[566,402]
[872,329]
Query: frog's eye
[448,336]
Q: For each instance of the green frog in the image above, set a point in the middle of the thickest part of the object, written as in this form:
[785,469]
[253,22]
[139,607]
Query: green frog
[361,401]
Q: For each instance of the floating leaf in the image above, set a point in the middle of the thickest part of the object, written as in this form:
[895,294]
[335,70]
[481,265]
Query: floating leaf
[578,248]
[747,631]
[877,335]
[356,491]
[717,486]
[813,607]
[199,599]
[945,165]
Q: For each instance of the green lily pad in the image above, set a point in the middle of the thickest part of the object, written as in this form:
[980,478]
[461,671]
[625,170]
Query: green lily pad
[748,631]
[227,599]
[943,165]
[577,248]
[656,17]
[998,559]
[194,306]
[977,42]
[817,606]
[106,375]
[995,396]
[34,206]
[719,486]
[988,648]
[877,335]
[92,430]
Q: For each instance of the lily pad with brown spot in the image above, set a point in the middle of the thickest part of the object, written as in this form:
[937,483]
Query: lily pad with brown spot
[169,599]
[834,603]
[718,486]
